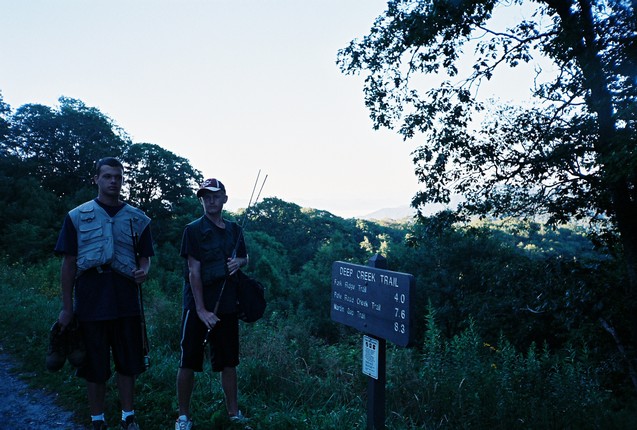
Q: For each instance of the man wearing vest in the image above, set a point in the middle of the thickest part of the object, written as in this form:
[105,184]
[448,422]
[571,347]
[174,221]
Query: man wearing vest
[100,278]
[214,250]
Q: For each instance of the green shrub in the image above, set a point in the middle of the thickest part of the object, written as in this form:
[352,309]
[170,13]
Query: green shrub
[290,379]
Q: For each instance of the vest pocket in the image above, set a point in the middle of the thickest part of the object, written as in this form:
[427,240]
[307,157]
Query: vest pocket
[90,232]
[123,264]
[123,235]
[91,251]
[92,256]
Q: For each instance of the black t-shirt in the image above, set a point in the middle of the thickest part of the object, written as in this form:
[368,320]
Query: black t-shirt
[191,246]
[107,295]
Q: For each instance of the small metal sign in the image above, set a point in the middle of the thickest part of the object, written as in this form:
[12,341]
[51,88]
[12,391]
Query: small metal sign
[370,357]
[374,301]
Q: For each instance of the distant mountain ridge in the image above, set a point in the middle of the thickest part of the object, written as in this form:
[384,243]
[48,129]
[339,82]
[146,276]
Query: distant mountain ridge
[397,213]
[401,212]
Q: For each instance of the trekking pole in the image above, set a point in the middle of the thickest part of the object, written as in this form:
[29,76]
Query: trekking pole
[145,345]
[234,251]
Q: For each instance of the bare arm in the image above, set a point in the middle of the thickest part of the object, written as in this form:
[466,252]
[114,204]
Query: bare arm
[67,280]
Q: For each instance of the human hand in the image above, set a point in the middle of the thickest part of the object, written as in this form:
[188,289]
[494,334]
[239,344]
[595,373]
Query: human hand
[65,318]
[234,264]
[208,318]
[139,275]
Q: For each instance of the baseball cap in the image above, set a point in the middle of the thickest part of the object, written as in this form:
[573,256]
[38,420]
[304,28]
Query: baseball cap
[211,185]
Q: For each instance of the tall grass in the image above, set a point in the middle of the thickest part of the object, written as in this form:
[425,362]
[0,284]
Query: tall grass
[291,380]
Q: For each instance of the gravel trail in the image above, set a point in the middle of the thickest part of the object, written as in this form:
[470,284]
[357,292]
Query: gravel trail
[24,407]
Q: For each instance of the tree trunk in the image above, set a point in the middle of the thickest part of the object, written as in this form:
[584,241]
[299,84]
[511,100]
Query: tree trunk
[581,30]
[620,347]
[580,27]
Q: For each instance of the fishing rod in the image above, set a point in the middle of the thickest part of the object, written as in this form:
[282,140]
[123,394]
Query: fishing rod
[244,221]
[145,344]
[242,225]
[236,246]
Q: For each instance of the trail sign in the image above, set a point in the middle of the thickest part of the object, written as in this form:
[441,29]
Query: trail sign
[374,301]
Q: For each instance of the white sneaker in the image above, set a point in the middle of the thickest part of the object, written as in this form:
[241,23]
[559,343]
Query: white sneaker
[239,418]
[183,425]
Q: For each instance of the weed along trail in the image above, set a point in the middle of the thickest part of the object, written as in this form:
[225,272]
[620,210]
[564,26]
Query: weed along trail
[24,407]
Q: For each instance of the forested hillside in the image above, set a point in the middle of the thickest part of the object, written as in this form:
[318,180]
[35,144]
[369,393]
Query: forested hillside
[518,325]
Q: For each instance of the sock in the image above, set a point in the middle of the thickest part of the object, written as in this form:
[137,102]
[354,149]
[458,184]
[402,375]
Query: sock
[99,417]
[126,414]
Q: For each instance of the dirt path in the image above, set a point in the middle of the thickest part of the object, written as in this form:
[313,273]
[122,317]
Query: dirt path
[24,407]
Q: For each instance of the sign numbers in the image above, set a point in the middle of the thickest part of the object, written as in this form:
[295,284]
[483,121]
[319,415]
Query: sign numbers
[399,328]
[372,300]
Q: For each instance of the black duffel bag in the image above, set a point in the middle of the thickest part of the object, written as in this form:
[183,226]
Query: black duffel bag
[250,298]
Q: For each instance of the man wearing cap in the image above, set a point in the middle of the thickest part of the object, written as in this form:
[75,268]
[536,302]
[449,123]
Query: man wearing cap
[214,250]
[99,278]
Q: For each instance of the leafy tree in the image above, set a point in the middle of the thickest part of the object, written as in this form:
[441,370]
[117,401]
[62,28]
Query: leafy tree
[60,145]
[294,227]
[30,216]
[270,264]
[157,179]
[312,284]
[54,150]
[569,154]
[517,280]
[5,110]
[182,212]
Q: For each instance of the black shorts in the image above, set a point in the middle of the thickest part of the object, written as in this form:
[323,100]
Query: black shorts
[123,337]
[223,340]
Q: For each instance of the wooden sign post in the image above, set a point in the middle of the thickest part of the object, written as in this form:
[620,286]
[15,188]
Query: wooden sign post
[375,301]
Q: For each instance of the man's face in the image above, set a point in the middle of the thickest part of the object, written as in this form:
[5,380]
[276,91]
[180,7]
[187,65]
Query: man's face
[213,202]
[109,181]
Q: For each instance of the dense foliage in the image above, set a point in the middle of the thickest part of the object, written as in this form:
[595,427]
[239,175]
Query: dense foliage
[568,153]
[517,324]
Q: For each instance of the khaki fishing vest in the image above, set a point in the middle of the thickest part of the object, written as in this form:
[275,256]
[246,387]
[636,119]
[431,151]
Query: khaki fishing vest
[102,240]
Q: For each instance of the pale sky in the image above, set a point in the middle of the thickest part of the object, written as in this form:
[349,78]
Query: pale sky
[233,86]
